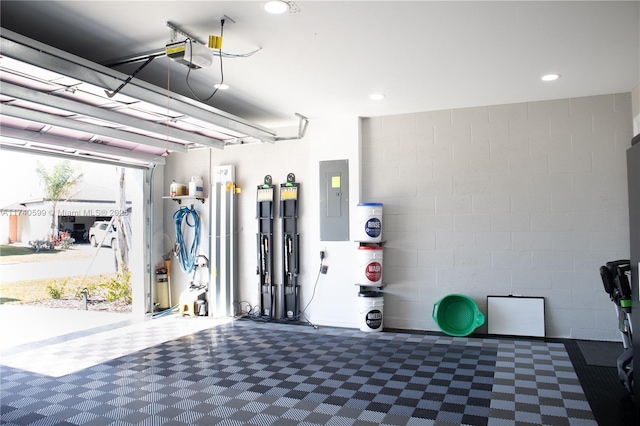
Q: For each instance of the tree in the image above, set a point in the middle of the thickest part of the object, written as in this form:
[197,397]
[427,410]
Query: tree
[57,186]
[123,224]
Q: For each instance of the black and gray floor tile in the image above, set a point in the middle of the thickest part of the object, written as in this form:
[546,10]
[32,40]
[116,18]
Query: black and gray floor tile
[246,373]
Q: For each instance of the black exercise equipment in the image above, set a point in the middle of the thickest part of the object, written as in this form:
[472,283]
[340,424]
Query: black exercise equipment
[615,279]
[264,214]
[289,192]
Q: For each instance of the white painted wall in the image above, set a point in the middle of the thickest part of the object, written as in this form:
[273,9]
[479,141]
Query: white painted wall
[160,242]
[4,228]
[137,256]
[334,300]
[509,199]
[181,167]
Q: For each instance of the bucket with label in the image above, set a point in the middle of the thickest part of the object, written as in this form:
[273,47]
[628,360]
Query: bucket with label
[369,222]
[370,310]
[370,265]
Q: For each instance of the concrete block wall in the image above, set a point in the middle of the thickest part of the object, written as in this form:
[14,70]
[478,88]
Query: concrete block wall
[526,199]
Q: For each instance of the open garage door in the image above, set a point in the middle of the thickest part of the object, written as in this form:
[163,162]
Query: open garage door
[56,102]
[43,284]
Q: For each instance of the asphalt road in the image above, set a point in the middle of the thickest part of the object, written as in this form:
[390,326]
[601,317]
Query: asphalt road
[100,262]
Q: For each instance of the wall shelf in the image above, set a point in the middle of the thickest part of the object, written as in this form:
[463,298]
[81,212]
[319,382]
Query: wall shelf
[178,199]
[370,243]
[371,287]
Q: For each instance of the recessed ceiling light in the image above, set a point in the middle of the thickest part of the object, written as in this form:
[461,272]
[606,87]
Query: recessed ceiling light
[550,77]
[276,6]
[376,97]
[221,86]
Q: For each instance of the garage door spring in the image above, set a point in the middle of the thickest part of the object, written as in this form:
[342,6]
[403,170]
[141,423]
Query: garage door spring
[187,254]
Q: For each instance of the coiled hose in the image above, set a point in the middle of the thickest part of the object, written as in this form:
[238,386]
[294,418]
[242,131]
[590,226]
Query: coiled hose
[187,254]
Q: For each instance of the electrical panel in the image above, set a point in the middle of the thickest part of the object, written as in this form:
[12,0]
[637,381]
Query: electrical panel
[334,200]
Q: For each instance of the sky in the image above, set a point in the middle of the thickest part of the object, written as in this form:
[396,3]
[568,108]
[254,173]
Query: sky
[20,181]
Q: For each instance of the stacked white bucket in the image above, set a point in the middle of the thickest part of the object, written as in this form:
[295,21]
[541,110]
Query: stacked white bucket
[370,255]
[369,219]
[370,265]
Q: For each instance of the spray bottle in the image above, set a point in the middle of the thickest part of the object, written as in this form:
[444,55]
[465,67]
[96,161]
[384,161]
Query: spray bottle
[173,189]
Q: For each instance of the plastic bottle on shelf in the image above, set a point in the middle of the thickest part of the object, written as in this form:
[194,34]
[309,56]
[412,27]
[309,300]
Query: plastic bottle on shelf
[173,189]
[196,188]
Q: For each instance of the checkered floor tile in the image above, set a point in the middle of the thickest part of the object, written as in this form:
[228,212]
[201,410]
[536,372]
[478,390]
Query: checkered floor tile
[243,373]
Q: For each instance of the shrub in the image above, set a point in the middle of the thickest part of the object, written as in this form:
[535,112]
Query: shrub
[118,288]
[56,290]
[38,245]
[67,243]
[91,287]
[62,240]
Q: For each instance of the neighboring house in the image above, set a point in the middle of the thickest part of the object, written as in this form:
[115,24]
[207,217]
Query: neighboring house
[28,220]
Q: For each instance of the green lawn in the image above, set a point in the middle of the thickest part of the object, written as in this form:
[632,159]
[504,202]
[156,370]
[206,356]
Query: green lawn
[12,253]
[10,250]
[6,250]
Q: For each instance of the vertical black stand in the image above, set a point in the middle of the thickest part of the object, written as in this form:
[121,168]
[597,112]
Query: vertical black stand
[290,248]
[264,214]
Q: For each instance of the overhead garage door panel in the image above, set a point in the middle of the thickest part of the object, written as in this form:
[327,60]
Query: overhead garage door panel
[45,103]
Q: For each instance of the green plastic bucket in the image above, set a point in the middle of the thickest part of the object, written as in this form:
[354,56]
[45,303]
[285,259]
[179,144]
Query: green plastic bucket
[457,315]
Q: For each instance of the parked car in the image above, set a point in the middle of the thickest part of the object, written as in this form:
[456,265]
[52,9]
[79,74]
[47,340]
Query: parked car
[102,231]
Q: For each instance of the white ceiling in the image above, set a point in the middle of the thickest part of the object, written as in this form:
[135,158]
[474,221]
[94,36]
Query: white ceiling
[329,57]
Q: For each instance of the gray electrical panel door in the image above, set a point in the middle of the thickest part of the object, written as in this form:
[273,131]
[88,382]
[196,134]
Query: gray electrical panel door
[334,200]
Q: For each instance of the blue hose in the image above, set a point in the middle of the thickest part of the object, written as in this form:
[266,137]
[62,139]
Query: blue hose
[187,256]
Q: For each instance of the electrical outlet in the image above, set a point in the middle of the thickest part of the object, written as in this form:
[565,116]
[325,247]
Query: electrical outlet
[323,269]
